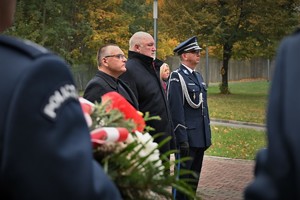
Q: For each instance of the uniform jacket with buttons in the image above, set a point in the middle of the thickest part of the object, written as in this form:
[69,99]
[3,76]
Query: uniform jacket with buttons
[190,124]
[45,148]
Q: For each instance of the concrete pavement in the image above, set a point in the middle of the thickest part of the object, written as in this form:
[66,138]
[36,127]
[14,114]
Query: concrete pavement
[238,124]
[224,178]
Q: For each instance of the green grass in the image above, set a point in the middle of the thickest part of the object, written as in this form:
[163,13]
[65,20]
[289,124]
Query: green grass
[238,143]
[247,102]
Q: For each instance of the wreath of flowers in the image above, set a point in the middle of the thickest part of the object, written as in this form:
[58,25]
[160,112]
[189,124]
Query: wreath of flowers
[128,153]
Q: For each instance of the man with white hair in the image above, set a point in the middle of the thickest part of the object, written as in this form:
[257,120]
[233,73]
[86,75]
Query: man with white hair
[144,80]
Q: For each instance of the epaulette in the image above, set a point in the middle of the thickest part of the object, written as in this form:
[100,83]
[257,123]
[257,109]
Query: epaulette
[185,71]
[172,78]
[26,47]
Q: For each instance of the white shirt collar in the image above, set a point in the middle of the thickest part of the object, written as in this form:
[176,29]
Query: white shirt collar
[190,70]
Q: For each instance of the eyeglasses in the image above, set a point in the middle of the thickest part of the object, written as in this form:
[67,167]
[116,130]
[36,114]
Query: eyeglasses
[193,51]
[119,56]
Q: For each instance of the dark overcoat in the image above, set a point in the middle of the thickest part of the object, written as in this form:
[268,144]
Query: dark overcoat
[45,148]
[190,124]
[103,83]
[278,167]
[143,79]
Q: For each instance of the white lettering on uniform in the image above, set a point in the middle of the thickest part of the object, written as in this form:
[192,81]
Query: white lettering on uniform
[58,98]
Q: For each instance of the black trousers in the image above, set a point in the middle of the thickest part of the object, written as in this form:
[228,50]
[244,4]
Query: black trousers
[195,165]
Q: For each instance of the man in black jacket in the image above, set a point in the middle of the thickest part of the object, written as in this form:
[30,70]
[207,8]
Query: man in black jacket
[45,147]
[111,64]
[278,167]
[143,78]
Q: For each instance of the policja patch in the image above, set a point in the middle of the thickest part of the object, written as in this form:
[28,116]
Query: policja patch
[58,97]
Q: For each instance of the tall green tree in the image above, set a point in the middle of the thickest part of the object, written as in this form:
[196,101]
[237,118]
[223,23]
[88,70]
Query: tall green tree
[53,24]
[240,28]
[75,29]
[140,12]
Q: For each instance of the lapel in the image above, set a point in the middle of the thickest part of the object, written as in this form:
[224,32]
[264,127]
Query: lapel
[199,78]
[189,75]
[113,84]
[132,99]
[110,81]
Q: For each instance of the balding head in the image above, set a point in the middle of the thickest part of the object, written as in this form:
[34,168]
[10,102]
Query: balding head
[143,43]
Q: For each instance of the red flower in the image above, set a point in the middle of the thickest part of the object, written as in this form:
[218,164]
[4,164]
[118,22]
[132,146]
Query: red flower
[120,103]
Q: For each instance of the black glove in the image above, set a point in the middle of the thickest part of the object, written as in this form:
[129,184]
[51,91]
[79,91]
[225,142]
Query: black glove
[184,149]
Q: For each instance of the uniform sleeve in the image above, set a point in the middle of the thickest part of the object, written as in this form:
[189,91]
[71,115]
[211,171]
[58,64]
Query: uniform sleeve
[273,173]
[47,150]
[175,99]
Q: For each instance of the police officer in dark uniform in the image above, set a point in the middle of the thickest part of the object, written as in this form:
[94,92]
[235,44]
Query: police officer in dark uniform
[187,96]
[277,170]
[45,148]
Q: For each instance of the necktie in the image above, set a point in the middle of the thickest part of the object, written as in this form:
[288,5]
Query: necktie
[195,75]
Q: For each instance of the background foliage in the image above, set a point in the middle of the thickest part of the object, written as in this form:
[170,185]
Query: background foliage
[234,28]
[75,29]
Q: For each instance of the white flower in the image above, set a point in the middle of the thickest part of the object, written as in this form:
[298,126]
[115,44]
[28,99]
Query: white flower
[146,147]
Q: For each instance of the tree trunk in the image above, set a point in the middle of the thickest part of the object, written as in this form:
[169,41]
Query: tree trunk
[227,51]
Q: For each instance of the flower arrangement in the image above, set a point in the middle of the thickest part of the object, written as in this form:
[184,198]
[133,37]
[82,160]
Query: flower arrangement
[128,153]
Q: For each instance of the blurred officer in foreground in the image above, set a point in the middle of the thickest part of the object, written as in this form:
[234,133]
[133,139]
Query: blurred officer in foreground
[187,94]
[45,148]
[278,167]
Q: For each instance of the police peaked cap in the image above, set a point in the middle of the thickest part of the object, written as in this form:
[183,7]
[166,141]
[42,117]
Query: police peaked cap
[190,44]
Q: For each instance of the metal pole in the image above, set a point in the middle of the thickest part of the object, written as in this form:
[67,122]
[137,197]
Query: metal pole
[206,65]
[155,14]
[268,69]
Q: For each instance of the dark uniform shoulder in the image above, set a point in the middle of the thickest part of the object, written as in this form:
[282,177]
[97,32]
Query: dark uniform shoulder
[25,47]
[297,31]
[183,71]
[174,76]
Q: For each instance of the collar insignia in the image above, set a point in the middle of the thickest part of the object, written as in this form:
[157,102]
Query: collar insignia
[185,71]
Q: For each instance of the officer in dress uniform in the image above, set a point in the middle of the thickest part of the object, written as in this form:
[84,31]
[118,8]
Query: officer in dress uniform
[45,148]
[187,94]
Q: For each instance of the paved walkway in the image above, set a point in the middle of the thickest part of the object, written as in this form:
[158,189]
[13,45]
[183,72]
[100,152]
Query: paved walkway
[224,178]
[238,124]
